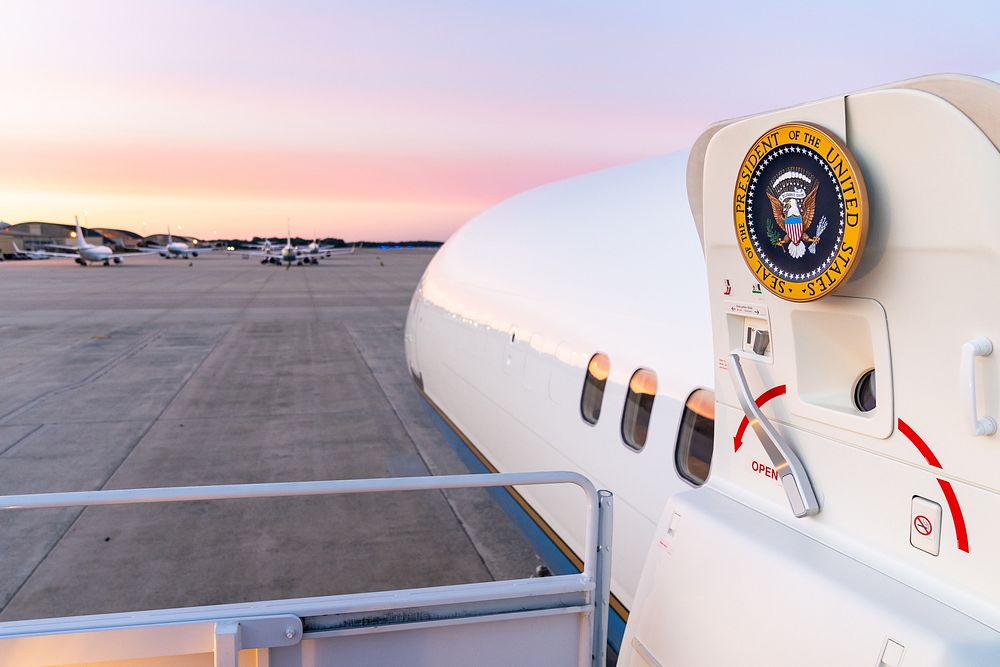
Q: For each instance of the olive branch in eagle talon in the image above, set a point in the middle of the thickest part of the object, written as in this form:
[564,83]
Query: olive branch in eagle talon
[808,211]
[773,234]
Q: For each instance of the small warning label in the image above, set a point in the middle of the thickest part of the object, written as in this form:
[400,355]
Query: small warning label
[746,309]
[922,525]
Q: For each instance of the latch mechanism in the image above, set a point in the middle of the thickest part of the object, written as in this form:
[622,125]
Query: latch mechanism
[791,472]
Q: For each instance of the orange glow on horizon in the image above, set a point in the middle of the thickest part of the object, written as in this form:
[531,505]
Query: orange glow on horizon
[240,193]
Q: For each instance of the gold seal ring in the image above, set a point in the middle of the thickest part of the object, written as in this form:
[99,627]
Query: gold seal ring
[800,210]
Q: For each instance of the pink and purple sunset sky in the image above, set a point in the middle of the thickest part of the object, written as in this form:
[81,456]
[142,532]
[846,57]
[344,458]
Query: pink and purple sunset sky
[401,120]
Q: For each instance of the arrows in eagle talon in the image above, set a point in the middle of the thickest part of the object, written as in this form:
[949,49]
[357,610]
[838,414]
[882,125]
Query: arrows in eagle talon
[820,228]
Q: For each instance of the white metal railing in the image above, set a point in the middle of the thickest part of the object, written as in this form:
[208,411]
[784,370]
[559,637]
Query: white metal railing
[595,578]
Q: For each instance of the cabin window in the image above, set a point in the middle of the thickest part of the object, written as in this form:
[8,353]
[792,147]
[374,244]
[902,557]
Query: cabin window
[593,387]
[696,437]
[638,408]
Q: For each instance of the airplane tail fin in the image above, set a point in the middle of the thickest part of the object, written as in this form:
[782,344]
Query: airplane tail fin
[80,243]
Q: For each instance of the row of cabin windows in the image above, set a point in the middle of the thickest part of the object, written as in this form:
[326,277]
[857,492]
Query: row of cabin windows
[693,455]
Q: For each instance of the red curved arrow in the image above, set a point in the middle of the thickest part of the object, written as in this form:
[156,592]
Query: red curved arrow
[961,534]
[773,392]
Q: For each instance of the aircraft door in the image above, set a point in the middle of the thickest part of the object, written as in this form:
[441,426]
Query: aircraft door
[852,246]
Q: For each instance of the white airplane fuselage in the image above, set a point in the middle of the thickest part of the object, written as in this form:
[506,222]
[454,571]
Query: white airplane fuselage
[94,253]
[613,265]
[178,249]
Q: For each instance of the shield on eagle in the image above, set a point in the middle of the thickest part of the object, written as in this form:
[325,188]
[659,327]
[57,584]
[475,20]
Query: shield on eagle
[793,227]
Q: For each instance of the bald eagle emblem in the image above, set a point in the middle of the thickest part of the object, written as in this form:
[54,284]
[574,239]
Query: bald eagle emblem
[792,193]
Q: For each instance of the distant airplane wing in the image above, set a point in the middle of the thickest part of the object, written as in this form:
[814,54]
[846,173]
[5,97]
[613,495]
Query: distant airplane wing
[162,250]
[30,254]
[329,251]
[72,253]
[43,254]
[254,253]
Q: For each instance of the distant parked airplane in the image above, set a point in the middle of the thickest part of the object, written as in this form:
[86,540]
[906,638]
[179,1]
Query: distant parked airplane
[85,252]
[289,254]
[28,254]
[174,248]
[266,246]
[315,248]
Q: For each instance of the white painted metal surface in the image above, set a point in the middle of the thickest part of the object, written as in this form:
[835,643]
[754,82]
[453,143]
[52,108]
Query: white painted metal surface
[514,305]
[542,621]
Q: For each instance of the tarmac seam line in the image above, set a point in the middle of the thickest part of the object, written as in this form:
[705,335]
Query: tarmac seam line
[96,375]
[19,440]
[135,444]
[41,560]
[402,424]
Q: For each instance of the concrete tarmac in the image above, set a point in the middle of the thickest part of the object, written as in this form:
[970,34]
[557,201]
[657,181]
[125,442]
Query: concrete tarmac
[222,370]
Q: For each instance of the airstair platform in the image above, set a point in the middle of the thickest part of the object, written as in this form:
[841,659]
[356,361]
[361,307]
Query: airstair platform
[559,620]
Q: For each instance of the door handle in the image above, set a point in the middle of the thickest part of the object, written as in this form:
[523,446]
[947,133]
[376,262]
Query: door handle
[791,472]
[977,347]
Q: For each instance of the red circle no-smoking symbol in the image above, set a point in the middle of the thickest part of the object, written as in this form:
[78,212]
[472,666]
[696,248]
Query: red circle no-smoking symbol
[923,525]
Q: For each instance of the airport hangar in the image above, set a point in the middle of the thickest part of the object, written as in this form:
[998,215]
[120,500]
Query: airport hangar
[42,235]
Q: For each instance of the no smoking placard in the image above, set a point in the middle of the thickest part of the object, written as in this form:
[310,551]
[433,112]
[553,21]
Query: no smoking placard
[925,525]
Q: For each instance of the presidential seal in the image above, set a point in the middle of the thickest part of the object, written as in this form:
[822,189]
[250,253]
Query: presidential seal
[801,212]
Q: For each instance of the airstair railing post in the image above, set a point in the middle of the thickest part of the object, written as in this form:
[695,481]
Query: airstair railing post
[602,587]
[227,644]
